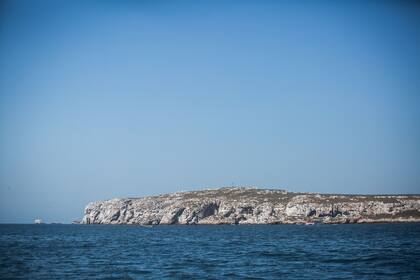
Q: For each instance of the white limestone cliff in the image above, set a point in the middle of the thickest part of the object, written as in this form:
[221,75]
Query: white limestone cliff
[253,206]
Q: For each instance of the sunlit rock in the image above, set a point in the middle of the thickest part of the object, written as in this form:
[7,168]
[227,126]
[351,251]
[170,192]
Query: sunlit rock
[253,206]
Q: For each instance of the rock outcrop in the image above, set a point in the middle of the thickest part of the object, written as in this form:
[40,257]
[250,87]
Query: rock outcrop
[253,206]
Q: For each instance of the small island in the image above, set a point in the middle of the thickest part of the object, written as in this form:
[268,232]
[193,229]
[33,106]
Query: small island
[248,205]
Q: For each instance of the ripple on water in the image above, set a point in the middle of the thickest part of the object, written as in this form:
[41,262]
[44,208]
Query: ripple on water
[234,252]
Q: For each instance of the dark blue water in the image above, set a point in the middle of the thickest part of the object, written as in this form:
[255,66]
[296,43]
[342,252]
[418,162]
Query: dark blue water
[376,251]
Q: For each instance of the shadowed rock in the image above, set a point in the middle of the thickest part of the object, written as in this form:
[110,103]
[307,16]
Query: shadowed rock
[253,206]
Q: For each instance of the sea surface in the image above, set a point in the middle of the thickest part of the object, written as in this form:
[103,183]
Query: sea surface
[357,251]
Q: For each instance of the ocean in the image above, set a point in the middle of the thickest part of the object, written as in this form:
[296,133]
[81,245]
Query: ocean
[351,251]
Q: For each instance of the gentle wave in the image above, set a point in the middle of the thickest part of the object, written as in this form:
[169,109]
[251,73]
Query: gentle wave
[385,251]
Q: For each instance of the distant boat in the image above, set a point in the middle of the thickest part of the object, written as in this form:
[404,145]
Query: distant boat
[38,221]
[148,226]
[309,223]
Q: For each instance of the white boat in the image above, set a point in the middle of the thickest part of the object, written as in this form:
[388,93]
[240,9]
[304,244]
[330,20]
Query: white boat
[147,226]
[38,221]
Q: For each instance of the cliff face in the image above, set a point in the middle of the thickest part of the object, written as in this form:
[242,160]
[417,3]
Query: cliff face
[253,206]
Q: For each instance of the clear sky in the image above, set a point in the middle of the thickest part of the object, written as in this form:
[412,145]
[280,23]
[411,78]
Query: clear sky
[103,99]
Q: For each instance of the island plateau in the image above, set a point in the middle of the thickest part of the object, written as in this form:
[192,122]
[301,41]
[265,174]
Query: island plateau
[244,205]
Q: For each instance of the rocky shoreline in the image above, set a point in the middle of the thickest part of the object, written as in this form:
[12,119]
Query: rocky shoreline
[240,205]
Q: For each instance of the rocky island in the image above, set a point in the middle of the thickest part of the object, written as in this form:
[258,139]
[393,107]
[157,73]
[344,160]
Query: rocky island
[240,205]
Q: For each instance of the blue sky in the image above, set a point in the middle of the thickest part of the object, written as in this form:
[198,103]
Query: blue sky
[103,99]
